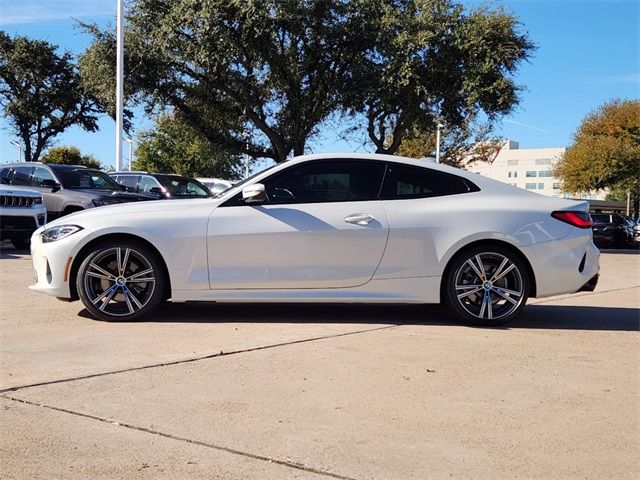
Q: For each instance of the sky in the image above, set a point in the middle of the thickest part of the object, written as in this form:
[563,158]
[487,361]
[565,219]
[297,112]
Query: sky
[588,52]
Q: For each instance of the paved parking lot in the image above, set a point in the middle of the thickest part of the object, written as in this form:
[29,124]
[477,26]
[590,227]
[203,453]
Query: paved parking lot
[358,392]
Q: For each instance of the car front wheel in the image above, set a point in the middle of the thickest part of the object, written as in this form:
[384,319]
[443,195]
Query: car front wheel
[121,280]
[487,286]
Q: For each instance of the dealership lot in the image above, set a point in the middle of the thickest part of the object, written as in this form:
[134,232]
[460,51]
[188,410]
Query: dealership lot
[336,391]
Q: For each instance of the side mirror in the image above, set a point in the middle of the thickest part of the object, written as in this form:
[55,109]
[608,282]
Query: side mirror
[156,190]
[52,184]
[254,193]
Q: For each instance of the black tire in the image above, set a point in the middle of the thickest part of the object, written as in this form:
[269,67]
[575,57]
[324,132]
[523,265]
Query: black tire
[21,243]
[494,300]
[121,280]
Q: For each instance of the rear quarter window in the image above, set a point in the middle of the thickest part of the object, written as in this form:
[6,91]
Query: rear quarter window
[406,182]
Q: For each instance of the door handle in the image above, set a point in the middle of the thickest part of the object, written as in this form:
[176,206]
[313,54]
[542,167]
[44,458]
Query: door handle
[359,218]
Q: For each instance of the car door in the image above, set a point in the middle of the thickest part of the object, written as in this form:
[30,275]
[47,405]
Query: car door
[321,226]
[51,199]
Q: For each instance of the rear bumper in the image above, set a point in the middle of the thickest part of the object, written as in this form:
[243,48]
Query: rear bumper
[590,286]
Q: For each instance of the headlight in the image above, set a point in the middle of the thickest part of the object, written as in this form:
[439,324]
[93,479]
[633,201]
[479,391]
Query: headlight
[56,233]
[37,200]
[99,202]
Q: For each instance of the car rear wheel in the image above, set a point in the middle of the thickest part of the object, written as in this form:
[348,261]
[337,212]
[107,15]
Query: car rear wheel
[121,280]
[487,285]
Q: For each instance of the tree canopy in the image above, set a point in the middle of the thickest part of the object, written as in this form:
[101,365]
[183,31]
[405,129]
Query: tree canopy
[176,147]
[41,93]
[277,69]
[605,152]
[70,156]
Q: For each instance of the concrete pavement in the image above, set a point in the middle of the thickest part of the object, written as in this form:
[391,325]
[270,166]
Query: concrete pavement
[281,391]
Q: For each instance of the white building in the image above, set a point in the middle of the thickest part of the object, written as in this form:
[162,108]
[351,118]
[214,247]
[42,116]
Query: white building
[529,168]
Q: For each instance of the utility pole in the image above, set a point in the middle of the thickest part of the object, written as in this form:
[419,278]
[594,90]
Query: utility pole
[439,126]
[18,145]
[129,140]
[119,82]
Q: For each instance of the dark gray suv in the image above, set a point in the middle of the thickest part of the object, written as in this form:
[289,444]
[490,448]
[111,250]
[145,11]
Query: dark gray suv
[67,188]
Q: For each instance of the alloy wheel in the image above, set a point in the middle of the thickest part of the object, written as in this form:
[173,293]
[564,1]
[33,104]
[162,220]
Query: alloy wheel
[489,286]
[119,281]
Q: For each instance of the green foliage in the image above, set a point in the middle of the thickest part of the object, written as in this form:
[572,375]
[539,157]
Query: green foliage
[605,152]
[473,142]
[176,147]
[434,62]
[277,69]
[41,93]
[69,156]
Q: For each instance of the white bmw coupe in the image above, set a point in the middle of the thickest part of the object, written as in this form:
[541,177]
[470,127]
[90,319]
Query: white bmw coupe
[326,228]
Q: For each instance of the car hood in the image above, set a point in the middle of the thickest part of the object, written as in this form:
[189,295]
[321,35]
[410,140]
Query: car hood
[20,191]
[129,211]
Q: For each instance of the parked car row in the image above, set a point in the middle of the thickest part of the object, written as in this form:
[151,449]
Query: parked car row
[33,193]
[614,230]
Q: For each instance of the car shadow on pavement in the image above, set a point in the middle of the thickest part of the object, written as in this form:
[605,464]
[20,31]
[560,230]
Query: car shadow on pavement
[554,317]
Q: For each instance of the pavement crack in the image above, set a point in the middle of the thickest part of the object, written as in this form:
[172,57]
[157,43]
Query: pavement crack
[234,451]
[195,359]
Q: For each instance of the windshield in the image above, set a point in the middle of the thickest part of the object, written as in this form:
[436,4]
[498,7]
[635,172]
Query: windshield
[245,181]
[183,187]
[86,179]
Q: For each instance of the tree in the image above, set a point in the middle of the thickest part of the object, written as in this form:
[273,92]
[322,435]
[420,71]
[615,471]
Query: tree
[268,67]
[70,156]
[41,93]
[459,147]
[176,147]
[433,62]
[605,152]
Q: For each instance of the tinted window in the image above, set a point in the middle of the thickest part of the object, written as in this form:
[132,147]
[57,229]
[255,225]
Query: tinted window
[147,183]
[403,181]
[600,217]
[183,187]
[130,181]
[5,176]
[21,175]
[86,179]
[40,174]
[327,181]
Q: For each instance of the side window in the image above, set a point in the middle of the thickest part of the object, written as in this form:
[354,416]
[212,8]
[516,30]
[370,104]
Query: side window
[21,176]
[5,175]
[147,183]
[130,181]
[326,181]
[40,174]
[405,181]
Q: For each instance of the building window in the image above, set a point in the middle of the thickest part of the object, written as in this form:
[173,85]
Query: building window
[531,173]
[543,161]
[556,186]
[545,173]
[541,186]
[513,174]
[530,186]
[512,162]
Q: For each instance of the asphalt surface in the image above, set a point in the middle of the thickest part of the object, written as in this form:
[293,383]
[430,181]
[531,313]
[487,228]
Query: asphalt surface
[333,391]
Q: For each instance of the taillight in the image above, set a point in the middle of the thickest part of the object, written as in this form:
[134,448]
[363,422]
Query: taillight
[577,219]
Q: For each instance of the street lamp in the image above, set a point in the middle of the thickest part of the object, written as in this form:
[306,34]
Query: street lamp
[18,145]
[438,127]
[129,140]
[119,82]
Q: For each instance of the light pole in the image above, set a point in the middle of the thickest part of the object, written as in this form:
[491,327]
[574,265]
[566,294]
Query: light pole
[129,140]
[119,82]
[19,147]
[438,127]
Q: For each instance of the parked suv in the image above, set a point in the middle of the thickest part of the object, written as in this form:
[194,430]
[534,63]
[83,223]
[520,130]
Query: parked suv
[612,230]
[161,185]
[21,213]
[67,188]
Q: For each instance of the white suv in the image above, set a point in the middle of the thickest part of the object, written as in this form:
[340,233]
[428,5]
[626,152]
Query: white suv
[21,213]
